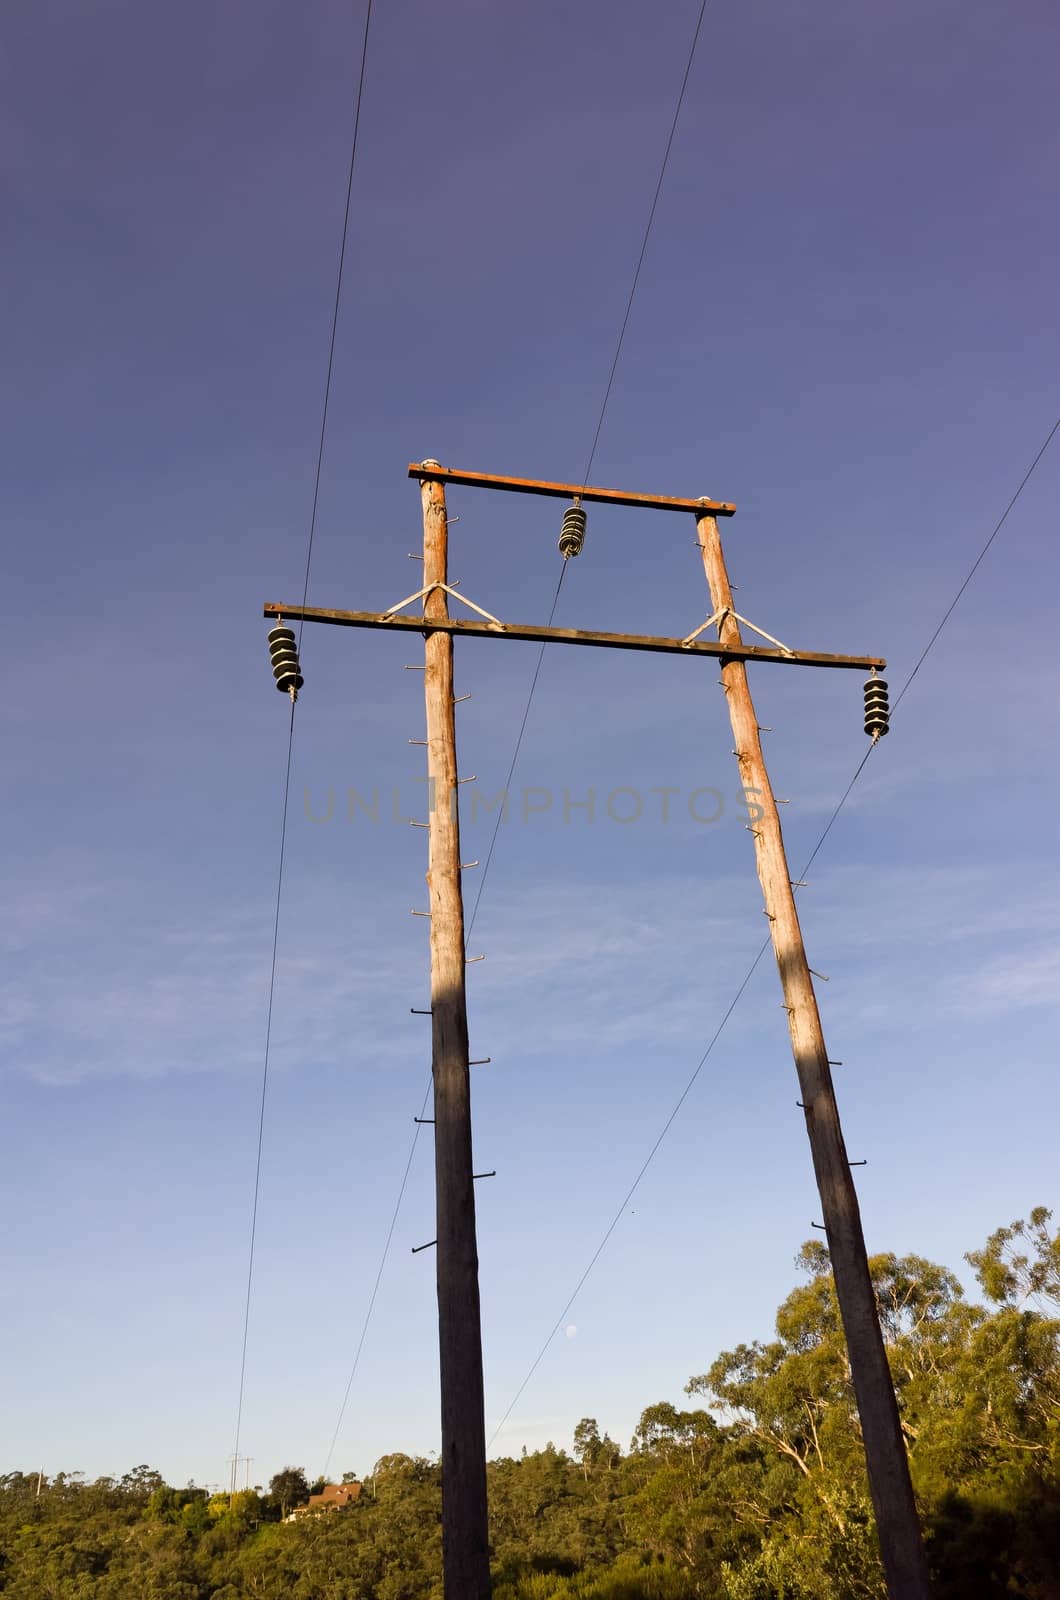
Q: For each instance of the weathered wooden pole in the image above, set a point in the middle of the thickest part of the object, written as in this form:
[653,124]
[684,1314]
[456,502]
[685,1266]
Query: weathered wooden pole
[465,1532]
[897,1523]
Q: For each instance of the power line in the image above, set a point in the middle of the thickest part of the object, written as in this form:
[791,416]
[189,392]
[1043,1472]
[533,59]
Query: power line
[644,242]
[415,1137]
[515,757]
[682,1097]
[378,1280]
[541,653]
[290,736]
[335,308]
[631,1191]
[859,769]
[609,385]
[973,569]
[264,1085]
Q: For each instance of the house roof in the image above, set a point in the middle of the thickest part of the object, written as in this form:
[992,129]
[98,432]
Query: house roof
[335,1494]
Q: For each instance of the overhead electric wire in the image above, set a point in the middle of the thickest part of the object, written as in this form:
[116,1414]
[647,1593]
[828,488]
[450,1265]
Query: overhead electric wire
[264,1088]
[644,242]
[378,1280]
[630,1192]
[973,569]
[335,308]
[515,757]
[609,385]
[682,1097]
[415,1137]
[290,731]
[859,769]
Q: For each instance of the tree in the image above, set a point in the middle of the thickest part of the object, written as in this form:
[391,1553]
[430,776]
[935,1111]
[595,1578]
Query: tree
[289,1488]
[1010,1277]
[587,1444]
[793,1399]
[664,1429]
[141,1483]
[766,1500]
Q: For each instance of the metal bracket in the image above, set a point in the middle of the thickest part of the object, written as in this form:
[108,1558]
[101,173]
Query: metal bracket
[719,616]
[428,590]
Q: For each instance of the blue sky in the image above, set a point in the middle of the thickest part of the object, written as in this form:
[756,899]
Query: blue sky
[846,324]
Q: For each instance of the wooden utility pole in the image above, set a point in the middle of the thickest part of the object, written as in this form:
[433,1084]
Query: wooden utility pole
[464,1521]
[888,1469]
[465,1530]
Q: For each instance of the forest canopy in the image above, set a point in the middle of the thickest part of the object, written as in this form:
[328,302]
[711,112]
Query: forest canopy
[753,1490]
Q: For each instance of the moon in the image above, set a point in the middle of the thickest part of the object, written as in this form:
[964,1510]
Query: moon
[571,1331]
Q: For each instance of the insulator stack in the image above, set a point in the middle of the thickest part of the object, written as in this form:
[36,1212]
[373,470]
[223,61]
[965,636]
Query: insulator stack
[572,533]
[877,708]
[283,648]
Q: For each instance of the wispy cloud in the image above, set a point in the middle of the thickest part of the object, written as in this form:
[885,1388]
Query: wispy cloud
[643,962]
[99,982]
[949,941]
[1014,982]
